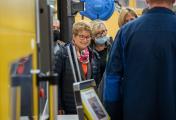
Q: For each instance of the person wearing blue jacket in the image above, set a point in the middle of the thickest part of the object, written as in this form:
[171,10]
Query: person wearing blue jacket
[140,77]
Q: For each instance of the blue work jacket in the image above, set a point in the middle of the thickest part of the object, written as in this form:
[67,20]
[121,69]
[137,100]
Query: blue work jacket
[140,78]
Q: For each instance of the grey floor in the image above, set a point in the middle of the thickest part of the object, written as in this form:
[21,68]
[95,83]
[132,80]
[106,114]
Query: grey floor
[59,117]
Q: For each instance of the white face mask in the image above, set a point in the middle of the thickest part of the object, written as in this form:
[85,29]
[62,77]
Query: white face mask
[101,40]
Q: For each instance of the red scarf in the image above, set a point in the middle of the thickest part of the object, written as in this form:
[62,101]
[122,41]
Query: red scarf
[83,56]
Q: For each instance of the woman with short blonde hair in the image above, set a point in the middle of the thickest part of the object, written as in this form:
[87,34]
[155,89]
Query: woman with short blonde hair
[81,37]
[126,15]
[101,44]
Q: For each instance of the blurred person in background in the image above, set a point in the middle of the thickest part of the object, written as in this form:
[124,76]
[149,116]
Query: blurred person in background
[126,15]
[56,30]
[56,35]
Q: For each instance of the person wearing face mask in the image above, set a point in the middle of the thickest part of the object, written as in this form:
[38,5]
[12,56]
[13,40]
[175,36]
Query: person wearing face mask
[56,30]
[101,44]
[56,35]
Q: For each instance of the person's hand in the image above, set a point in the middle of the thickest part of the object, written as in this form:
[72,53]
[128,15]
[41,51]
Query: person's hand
[61,112]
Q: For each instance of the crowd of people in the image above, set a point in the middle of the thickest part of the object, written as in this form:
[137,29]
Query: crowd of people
[134,73]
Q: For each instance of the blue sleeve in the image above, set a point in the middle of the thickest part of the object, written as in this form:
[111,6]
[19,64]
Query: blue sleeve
[113,78]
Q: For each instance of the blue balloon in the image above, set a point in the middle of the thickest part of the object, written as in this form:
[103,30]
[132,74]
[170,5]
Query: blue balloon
[98,9]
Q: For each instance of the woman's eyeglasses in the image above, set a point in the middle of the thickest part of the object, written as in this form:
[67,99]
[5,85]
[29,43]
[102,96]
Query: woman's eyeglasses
[100,33]
[82,37]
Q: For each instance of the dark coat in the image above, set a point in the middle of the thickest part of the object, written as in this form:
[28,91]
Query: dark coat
[66,79]
[100,60]
[142,68]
